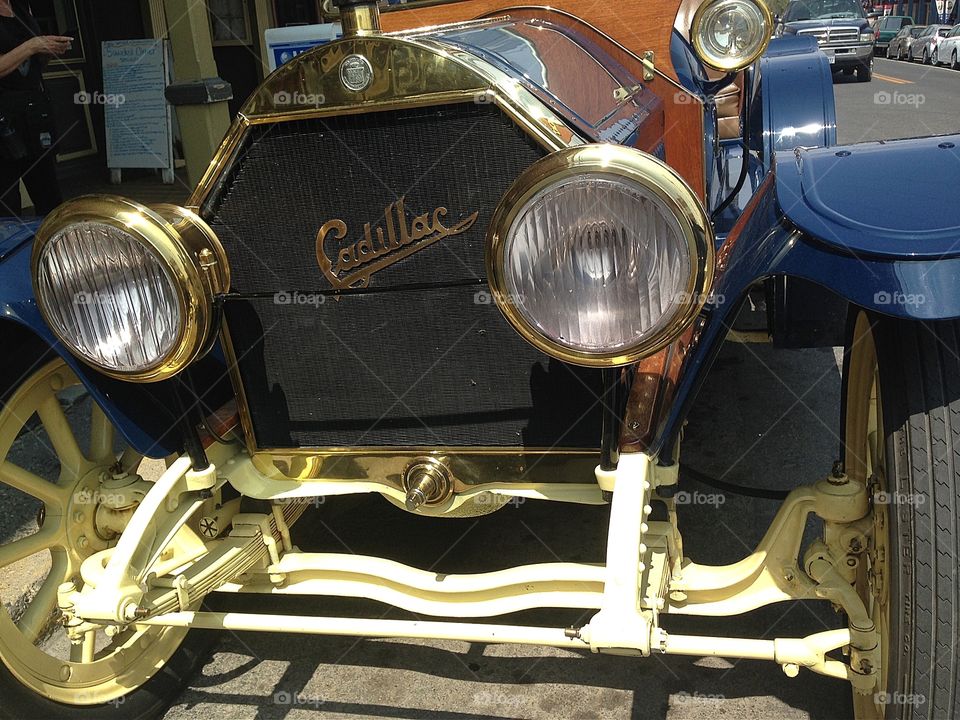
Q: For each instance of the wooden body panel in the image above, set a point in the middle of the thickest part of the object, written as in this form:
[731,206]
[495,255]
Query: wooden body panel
[634,25]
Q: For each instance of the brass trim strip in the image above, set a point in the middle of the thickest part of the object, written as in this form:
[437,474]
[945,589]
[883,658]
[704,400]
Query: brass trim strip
[467,467]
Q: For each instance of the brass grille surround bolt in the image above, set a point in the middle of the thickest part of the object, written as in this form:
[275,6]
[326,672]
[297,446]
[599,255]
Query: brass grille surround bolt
[426,482]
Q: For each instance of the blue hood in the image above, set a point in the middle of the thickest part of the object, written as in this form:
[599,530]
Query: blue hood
[797,25]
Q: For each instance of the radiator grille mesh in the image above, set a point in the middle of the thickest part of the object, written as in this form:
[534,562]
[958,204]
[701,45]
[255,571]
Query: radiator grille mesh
[420,356]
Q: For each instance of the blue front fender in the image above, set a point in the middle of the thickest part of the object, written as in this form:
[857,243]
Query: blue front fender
[899,255]
[826,215]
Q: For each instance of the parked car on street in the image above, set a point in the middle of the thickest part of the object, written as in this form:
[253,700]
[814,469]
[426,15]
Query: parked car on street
[468,255]
[841,30]
[899,47]
[886,29]
[948,51]
[924,47]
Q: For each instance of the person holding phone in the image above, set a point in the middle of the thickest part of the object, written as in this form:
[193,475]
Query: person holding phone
[26,115]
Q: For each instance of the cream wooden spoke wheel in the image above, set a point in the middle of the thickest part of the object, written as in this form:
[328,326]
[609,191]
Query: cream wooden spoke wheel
[36,652]
[864,462]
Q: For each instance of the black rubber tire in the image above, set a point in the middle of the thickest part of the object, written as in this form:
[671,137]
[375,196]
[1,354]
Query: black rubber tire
[925,59]
[147,702]
[919,369]
[954,65]
[864,73]
[151,699]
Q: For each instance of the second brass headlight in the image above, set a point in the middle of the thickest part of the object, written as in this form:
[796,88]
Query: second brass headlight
[730,35]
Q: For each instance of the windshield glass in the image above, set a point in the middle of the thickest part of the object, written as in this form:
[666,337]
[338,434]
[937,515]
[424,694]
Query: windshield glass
[915,31]
[943,32]
[824,10]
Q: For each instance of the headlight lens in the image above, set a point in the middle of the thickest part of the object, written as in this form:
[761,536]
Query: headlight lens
[600,255]
[109,295]
[127,289]
[729,35]
[866,37]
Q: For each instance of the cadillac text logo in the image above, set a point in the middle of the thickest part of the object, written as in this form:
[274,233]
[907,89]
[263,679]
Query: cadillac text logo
[356,72]
[380,247]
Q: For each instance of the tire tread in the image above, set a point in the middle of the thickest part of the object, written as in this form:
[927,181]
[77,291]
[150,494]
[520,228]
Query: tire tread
[920,362]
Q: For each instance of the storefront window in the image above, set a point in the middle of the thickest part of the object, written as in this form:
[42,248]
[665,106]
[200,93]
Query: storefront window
[229,22]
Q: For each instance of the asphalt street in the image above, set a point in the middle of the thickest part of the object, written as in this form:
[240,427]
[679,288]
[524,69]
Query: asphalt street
[766,417]
[903,100]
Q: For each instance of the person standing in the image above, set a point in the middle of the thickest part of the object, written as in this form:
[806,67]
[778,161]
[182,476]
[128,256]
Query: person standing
[26,115]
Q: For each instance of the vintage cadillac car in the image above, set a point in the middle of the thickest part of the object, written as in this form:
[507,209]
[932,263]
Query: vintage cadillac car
[466,254]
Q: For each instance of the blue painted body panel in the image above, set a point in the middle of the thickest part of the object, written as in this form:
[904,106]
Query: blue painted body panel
[14,233]
[842,196]
[727,172]
[796,105]
[766,243]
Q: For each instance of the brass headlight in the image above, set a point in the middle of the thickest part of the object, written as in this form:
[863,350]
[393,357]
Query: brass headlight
[600,255]
[128,289]
[730,35]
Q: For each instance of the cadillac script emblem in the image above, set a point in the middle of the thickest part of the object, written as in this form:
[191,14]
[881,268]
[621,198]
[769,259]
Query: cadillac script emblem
[356,72]
[380,247]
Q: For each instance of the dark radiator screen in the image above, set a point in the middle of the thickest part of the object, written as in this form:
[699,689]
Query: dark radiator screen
[420,356]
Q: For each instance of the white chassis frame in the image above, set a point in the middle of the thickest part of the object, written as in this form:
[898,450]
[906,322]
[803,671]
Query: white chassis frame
[160,570]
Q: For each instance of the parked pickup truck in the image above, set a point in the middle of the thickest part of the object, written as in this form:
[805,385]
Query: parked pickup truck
[841,30]
[887,29]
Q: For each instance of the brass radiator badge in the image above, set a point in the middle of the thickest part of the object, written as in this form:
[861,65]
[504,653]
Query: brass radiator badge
[381,247]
